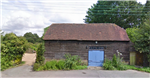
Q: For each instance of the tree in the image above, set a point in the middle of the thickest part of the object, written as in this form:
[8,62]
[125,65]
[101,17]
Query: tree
[142,44]
[133,34]
[146,11]
[45,29]
[146,8]
[126,14]
[33,38]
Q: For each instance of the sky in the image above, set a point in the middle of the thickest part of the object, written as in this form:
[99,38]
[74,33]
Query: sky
[22,16]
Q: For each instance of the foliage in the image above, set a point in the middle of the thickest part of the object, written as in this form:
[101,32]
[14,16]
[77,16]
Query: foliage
[115,63]
[71,62]
[12,50]
[14,47]
[143,42]
[33,38]
[61,64]
[32,46]
[80,67]
[45,29]
[51,65]
[36,66]
[108,65]
[123,13]
[145,69]
[146,9]
[133,33]
[40,54]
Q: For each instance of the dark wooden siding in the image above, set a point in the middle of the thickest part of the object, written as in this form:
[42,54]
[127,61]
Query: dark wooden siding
[57,49]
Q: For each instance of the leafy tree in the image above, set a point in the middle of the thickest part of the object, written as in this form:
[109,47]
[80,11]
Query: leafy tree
[133,33]
[45,29]
[123,13]
[13,45]
[142,43]
[146,9]
[33,38]
[12,50]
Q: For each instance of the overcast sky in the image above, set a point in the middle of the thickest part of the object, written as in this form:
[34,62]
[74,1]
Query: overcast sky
[21,16]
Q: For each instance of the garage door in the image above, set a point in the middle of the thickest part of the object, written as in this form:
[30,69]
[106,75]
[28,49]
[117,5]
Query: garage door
[96,58]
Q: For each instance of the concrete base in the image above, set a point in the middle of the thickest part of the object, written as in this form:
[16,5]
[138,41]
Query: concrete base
[95,68]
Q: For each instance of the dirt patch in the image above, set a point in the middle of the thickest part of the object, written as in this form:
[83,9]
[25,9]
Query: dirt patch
[29,58]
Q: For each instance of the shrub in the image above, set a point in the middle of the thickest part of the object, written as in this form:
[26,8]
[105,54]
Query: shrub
[36,66]
[108,65]
[71,61]
[40,54]
[51,65]
[61,64]
[115,63]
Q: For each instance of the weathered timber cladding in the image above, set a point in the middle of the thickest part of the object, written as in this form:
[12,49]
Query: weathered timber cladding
[57,49]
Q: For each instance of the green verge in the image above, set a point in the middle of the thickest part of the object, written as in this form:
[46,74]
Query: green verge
[22,63]
[144,69]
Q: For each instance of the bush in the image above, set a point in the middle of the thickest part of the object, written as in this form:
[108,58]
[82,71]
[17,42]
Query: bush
[108,65]
[36,66]
[71,61]
[61,64]
[51,65]
[40,54]
[115,63]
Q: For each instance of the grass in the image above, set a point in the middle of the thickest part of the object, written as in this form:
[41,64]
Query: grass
[144,69]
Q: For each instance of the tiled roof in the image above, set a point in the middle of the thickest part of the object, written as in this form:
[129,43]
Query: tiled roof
[90,32]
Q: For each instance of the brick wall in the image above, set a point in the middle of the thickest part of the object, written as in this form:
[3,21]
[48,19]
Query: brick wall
[57,49]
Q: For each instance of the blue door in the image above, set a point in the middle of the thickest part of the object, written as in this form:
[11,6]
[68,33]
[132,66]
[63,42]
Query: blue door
[96,58]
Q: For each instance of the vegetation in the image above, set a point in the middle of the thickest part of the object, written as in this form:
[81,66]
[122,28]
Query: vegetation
[145,69]
[12,50]
[33,38]
[126,14]
[40,54]
[70,62]
[141,37]
[115,64]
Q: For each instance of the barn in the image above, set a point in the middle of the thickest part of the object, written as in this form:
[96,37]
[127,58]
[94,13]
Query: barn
[92,42]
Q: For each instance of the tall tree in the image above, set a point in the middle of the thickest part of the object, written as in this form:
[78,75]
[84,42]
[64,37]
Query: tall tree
[33,38]
[146,8]
[146,11]
[123,13]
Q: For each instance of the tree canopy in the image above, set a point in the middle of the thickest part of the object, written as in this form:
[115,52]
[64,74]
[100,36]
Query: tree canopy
[33,38]
[126,14]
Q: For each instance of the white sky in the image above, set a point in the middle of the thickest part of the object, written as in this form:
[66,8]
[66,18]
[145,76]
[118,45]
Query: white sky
[21,16]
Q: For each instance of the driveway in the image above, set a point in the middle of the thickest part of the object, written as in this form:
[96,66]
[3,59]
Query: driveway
[26,71]
[29,58]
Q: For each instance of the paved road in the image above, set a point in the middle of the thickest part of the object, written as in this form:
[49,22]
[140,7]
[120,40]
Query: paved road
[26,71]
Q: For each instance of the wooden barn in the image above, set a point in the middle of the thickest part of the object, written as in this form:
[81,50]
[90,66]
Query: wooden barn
[92,42]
